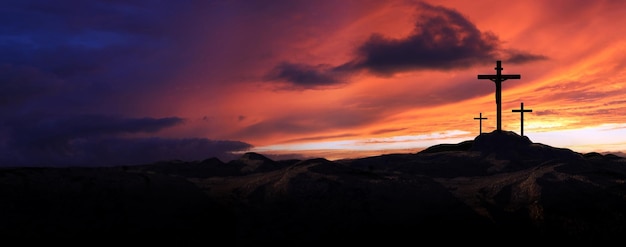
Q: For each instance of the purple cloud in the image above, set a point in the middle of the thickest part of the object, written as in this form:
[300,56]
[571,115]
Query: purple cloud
[443,39]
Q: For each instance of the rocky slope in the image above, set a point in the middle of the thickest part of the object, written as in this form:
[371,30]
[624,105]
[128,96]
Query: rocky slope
[500,188]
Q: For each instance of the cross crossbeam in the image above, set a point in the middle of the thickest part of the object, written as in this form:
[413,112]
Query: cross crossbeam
[480,124]
[498,78]
[521,112]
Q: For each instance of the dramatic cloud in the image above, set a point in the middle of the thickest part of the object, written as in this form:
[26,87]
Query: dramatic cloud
[53,129]
[84,80]
[93,140]
[442,39]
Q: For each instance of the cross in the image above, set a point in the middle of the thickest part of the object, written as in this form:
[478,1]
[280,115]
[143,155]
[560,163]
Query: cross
[480,124]
[521,112]
[498,78]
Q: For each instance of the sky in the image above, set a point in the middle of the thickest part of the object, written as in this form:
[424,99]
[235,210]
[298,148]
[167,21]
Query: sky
[109,82]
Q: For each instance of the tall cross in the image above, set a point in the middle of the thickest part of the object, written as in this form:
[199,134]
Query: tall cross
[521,112]
[498,78]
[480,124]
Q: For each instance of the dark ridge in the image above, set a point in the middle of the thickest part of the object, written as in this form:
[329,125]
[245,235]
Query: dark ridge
[255,156]
[212,161]
[497,187]
[252,162]
[462,146]
[593,155]
[612,156]
[207,168]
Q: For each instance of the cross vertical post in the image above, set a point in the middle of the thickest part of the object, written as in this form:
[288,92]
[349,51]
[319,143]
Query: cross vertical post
[498,78]
[480,124]
[521,112]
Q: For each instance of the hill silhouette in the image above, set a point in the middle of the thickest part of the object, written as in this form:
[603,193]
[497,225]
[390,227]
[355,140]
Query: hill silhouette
[497,189]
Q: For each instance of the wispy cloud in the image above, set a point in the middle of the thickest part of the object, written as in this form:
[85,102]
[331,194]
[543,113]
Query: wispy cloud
[304,76]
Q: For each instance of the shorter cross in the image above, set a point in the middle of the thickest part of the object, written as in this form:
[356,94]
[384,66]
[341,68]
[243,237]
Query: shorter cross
[521,112]
[480,124]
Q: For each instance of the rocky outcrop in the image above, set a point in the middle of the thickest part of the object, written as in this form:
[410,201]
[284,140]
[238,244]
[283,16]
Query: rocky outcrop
[507,145]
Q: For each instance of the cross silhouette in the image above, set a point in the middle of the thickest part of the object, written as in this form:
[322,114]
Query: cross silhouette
[480,124]
[498,78]
[521,112]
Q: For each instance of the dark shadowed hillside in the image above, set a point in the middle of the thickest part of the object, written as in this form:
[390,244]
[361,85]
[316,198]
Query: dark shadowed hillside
[498,189]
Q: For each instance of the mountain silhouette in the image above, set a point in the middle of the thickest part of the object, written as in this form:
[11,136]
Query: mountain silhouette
[497,189]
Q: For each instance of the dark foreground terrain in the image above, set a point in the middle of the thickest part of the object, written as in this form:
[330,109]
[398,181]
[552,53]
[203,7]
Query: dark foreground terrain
[498,189]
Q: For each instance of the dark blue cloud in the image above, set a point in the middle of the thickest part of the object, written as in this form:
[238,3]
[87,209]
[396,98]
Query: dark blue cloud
[100,50]
[92,152]
[132,151]
[61,60]
[47,130]
[95,140]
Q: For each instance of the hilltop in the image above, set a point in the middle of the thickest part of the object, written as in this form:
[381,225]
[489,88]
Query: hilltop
[498,188]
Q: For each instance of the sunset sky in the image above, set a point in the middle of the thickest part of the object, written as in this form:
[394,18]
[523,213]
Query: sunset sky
[126,82]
